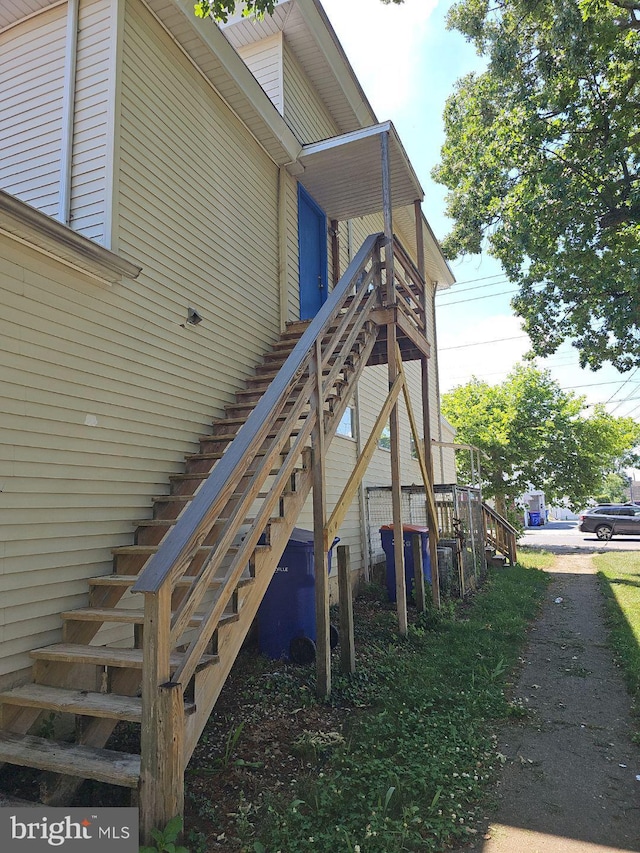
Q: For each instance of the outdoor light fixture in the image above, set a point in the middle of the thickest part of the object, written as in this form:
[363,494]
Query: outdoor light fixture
[193,318]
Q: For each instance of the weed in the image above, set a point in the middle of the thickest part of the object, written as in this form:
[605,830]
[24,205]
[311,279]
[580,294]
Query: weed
[197,841]
[165,839]
[47,726]
[517,710]
[310,747]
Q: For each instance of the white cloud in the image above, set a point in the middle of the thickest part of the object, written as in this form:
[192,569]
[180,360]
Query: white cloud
[383,43]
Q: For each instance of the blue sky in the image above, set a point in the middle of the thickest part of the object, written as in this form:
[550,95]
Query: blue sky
[408,63]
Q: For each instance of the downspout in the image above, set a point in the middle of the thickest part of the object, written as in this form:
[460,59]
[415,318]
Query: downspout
[68,111]
[283,280]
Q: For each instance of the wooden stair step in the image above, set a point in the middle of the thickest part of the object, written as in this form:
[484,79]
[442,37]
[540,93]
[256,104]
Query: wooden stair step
[129,580]
[103,765]
[107,705]
[105,656]
[128,617]
[196,475]
[213,456]
[149,549]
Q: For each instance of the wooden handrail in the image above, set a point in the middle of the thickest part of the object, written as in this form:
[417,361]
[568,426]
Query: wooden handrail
[182,540]
[497,517]
[499,533]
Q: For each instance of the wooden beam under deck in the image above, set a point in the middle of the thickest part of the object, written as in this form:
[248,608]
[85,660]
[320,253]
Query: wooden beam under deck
[413,345]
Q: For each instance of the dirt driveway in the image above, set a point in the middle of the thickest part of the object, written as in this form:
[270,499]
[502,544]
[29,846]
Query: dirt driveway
[571,778]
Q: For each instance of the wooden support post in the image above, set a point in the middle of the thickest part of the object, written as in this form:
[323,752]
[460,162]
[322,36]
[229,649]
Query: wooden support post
[323,637]
[283,282]
[387,216]
[347,640]
[418,572]
[394,419]
[162,734]
[426,410]
[396,487]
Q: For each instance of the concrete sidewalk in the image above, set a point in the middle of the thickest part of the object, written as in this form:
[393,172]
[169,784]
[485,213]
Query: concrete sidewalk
[570,781]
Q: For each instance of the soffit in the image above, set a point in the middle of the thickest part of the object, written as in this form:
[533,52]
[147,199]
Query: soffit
[17,10]
[344,173]
[314,43]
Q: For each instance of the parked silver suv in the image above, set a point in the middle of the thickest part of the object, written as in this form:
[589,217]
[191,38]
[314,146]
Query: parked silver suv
[610,520]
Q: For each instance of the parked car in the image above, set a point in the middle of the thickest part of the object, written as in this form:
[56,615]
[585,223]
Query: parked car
[611,519]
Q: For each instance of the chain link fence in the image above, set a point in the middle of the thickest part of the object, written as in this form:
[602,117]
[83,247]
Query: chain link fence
[461,558]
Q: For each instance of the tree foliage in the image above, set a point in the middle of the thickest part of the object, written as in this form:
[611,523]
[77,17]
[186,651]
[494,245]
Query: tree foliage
[542,162]
[220,10]
[533,434]
[615,490]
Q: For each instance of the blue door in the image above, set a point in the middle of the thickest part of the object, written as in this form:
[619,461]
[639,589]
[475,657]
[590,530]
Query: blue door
[312,244]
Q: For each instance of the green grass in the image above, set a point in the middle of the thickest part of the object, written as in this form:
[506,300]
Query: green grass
[419,748]
[619,575]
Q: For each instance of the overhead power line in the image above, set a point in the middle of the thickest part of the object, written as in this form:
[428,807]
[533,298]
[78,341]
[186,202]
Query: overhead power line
[624,383]
[483,343]
[619,403]
[456,290]
[483,278]
[476,298]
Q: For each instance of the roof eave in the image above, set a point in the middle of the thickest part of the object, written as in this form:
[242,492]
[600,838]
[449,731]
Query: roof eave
[35,229]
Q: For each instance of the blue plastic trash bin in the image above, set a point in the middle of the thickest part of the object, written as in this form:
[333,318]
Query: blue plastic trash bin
[534,519]
[287,614]
[408,531]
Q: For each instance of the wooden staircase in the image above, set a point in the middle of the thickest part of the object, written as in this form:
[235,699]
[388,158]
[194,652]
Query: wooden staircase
[500,538]
[188,589]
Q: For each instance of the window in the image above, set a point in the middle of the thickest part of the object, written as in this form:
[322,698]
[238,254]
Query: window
[346,425]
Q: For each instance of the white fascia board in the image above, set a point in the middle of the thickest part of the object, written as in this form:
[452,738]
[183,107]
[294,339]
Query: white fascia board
[41,232]
[328,42]
[235,67]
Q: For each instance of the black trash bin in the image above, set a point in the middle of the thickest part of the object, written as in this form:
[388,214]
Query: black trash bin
[287,614]
[388,545]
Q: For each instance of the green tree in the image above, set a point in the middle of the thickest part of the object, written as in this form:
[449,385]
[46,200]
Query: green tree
[220,10]
[616,489]
[532,433]
[542,162]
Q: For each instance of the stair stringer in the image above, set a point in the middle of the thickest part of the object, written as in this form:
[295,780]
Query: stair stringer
[209,683]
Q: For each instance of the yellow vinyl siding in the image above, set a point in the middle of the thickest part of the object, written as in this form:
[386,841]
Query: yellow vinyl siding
[264,60]
[104,389]
[88,174]
[198,195]
[341,460]
[304,111]
[31,83]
